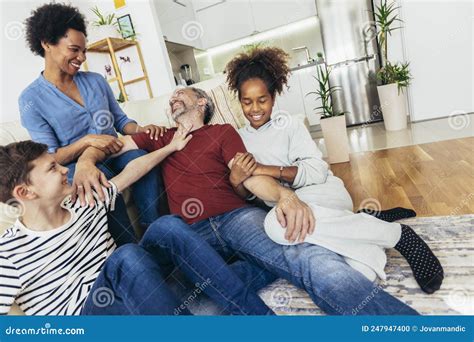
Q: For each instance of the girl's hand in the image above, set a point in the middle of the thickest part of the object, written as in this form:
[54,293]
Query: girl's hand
[243,167]
[154,131]
[181,137]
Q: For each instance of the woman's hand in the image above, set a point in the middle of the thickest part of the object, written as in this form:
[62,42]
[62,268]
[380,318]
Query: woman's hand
[86,178]
[104,142]
[154,131]
[181,137]
[243,167]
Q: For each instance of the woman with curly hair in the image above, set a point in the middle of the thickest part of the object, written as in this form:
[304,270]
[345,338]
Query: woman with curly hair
[71,111]
[287,152]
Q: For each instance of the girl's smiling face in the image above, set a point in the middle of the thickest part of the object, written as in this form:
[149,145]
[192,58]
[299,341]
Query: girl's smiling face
[256,101]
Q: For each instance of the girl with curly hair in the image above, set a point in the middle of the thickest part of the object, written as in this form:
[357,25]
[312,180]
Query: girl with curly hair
[70,111]
[286,151]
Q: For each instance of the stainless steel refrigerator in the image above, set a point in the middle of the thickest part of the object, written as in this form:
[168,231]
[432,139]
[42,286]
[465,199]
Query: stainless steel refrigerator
[351,52]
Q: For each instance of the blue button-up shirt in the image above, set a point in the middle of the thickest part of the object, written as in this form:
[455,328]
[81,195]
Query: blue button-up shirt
[53,118]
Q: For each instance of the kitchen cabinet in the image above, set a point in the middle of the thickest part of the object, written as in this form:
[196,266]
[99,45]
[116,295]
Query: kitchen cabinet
[174,17]
[223,22]
[309,84]
[268,14]
[296,100]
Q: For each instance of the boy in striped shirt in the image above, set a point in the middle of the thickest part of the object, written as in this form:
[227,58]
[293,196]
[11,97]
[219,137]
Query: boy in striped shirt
[59,258]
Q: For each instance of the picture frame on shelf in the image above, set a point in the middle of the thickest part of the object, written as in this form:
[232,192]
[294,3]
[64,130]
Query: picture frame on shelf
[126,26]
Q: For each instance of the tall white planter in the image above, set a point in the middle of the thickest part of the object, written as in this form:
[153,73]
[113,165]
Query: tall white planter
[335,138]
[96,33]
[393,107]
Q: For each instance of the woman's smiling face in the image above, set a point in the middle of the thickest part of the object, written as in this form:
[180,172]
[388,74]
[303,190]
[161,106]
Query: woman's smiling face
[256,101]
[69,53]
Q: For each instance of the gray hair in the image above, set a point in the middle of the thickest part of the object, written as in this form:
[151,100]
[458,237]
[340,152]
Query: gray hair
[210,106]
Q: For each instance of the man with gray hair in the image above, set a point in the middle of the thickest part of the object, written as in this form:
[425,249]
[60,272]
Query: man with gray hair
[205,204]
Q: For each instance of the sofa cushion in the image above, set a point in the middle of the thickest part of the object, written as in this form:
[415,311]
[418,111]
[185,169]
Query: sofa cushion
[228,109]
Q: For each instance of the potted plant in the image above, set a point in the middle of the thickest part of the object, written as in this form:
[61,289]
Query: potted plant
[104,26]
[333,122]
[394,78]
[319,58]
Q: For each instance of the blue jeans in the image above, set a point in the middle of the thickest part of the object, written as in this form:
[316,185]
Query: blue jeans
[131,283]
[170,239]
[333,285]
[146,194]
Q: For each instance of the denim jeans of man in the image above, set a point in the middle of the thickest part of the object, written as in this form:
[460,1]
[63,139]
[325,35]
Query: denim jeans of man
[132,281]
[333,285]
[202,265]
[146,193]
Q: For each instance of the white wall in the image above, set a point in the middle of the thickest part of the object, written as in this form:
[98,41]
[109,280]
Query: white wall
[19,67]
[437,39]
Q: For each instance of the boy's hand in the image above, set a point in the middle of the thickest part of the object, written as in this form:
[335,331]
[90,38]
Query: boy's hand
[153,130]
[243,167]
[86,178]
[181,137]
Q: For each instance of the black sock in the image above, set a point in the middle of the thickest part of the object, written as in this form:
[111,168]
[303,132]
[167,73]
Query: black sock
[425,265]
[390,215]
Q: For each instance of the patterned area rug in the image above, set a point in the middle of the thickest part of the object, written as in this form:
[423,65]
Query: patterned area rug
[452,240]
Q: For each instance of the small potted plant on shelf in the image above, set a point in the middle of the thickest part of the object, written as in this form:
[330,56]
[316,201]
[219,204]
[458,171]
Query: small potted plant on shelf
[394,77]
[104,26]
[333,122]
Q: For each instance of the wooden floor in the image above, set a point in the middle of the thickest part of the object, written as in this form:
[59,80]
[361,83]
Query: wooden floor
[433,179]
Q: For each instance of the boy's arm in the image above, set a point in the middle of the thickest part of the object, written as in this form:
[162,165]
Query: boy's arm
[88,177]
[139,167]
[10,285]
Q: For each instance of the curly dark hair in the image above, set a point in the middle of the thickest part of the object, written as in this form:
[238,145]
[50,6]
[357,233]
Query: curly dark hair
[49,23]
[270,64]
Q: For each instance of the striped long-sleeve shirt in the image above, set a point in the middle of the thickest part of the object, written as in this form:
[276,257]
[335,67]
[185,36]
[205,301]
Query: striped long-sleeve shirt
[51,272]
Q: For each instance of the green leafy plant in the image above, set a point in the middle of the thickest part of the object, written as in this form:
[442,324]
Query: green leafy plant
[324,93]
[386,16]
[103,19]
[248,48]
[398,73]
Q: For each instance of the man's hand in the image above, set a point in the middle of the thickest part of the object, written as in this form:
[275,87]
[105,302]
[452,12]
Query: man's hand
[181,137]
[296,216]
[153,130]
[104,142]
[243,167]
[87,177]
